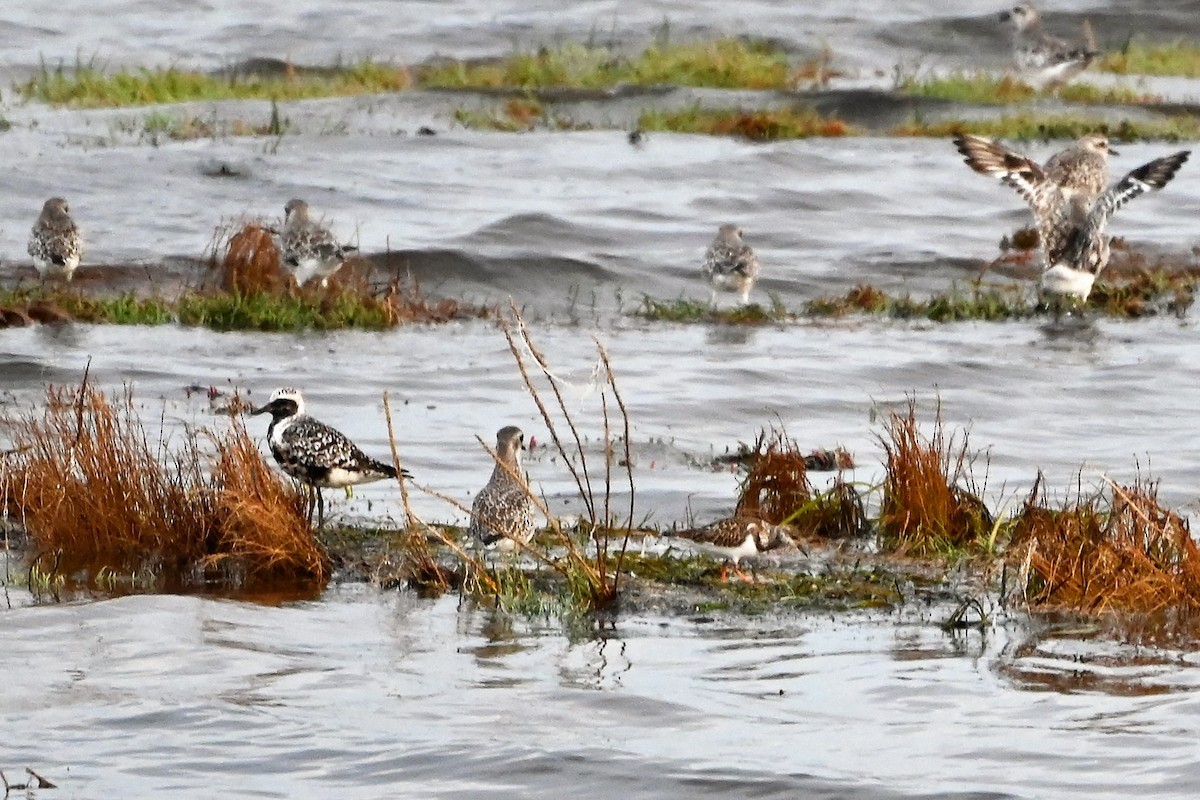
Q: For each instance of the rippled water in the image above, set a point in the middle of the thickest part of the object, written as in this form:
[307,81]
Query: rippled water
[361,693]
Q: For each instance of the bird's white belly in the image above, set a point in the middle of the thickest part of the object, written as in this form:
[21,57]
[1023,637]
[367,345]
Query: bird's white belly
[339,478]
[47,267]
[734,554]
[1063,280]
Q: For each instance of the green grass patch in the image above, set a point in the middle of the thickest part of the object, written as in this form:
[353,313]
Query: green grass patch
[762,125]
[1180,58]
[725,63]
[684,310]
[985,88]
[1030,127]
[264,311]
[515,114]
[979,301]
[186,127]
[841,589]
[87,86]
[1143,291]
[228,310]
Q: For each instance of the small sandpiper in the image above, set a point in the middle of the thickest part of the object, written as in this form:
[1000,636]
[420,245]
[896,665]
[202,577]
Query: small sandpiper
[314,453]
[730,264]
[1040,58]
[55,242]
[1071,202]
[309,249]
[734,538]
[502,513]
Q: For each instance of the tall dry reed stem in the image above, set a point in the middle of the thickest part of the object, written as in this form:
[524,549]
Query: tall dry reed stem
[420,565]
[596,571]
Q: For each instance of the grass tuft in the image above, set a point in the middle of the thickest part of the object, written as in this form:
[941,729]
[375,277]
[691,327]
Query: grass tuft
[924,510]
[722,63]
[1181,58]
[987,88]
[87,86]
[1133,555]
[88,485]
[1032,127]
[755,125]
[684,310]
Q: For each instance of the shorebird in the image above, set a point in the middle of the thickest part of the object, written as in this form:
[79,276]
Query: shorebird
[502,513]
[1043,59]
[1087,249]
[310,250]
[1071,202]
[314,453]
[730,264]
[732,539]
[55,242]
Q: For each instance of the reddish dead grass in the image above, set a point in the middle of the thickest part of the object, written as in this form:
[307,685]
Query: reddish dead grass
[925,511]
[777,489]
[251,262]
[87,483]
[1135,557]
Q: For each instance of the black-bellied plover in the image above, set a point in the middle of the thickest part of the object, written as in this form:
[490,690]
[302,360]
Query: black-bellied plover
[734,538]
[730,264]
[502,513]
[1070,200]
[314,453]
[1042,59]
[1087,249]
[55,242]
[309,249]
[1078,174]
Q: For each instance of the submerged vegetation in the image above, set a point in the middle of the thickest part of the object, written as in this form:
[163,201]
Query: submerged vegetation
[1143,291]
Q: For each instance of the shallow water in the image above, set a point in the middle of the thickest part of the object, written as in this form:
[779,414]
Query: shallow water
[362,693]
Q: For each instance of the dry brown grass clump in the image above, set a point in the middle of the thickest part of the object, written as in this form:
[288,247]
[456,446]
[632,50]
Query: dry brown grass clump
[89,486]
[261,519]
[251,263]
[924,510]
[777,489]
[1136,557]
[776,486]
